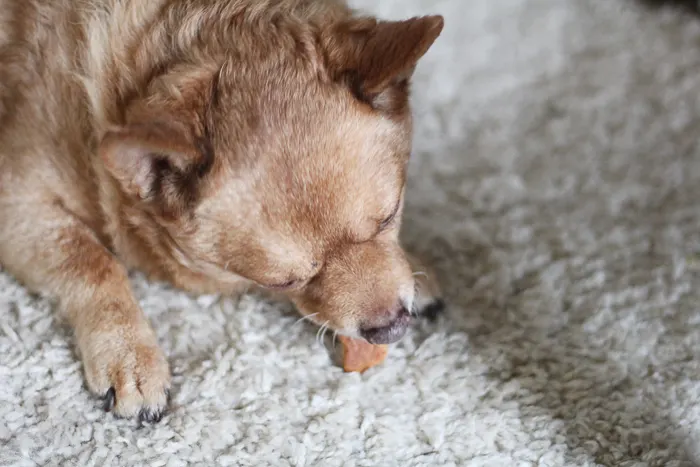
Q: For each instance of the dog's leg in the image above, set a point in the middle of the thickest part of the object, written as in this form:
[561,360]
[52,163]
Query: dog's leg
[53,252]
[428,301]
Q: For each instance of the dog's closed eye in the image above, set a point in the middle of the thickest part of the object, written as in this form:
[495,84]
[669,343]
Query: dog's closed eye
[389,219]
[286,285]
[387,222]
[295,283]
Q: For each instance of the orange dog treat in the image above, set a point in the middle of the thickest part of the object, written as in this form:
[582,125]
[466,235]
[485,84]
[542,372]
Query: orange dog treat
[358,355]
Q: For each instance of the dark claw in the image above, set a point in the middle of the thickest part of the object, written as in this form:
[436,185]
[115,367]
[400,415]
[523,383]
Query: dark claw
[155,415]
[109,400]
[151,416]
[145,416]
[434,310]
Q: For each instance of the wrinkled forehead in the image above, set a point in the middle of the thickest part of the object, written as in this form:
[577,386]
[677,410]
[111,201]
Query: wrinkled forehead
[334,166]
[311,165]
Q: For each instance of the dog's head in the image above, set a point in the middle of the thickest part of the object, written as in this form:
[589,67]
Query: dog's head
[285,164]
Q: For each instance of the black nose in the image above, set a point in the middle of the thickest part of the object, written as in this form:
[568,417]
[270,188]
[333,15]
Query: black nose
[390,333]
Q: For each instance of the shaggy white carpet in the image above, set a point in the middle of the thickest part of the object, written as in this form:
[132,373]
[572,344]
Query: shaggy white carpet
[555,184]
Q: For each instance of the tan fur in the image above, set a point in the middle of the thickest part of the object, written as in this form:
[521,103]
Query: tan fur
[214,144]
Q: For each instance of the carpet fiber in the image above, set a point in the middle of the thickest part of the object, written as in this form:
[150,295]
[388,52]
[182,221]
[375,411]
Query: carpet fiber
[555,186]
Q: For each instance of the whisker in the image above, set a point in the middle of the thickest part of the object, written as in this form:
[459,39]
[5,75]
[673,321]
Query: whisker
[323,335]
[304,318]
[420,273]
[335,336]
[414,305]
[318,333]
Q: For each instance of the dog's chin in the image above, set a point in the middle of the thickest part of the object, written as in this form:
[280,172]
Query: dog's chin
[325,324]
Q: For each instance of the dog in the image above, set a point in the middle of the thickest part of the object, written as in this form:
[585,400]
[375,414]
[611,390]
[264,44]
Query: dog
[214,145]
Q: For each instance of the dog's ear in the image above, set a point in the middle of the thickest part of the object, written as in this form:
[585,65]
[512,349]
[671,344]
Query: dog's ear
[378,58]
[158,161]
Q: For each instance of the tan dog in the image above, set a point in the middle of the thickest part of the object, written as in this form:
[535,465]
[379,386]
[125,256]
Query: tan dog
[214,144]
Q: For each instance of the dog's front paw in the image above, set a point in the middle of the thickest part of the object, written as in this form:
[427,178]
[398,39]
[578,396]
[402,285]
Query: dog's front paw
[129,372]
